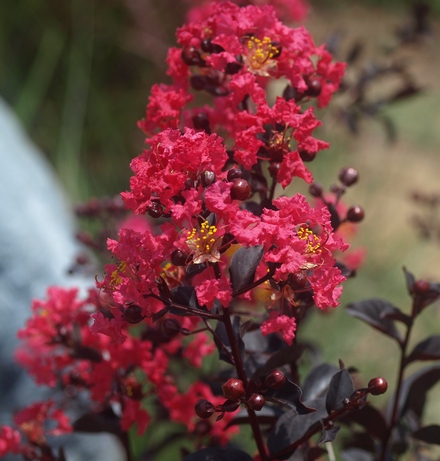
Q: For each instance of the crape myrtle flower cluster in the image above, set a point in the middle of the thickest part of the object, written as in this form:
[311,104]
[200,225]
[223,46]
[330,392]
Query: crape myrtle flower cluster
[287,10]
[216,152]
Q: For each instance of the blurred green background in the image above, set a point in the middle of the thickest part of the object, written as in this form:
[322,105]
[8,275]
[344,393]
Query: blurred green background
[78,74]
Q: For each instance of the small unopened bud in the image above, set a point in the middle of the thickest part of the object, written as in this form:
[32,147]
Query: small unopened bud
[275,380]
[233,389]
[256,402]
[204,408]
[133,314]
[377,386]
[348,176]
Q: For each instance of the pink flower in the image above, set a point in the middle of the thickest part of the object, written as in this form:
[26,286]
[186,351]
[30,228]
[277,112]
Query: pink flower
[9,440]
[286,325]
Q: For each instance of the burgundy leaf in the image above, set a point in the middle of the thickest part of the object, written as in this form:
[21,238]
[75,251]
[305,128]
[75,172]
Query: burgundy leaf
[426,350]
[428,434]
[377,313]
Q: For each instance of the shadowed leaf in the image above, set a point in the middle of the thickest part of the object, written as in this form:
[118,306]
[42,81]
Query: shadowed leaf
[426,350]
[290,395]
[370,418]
[414,389]
[341,387]
[244,263]
[290,427]
[317,381]
[378,313]
[222,341]
[428,434]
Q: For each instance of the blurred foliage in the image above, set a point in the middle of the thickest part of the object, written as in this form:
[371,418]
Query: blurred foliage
[72,75]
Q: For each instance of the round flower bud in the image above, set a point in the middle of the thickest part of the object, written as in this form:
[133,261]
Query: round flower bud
[234,173]
[421,287]
[274,167]
[198,82]
[314,87]
[170,328]
[377,386]
[240,189]
[204,408]
[355,214]
[191,56]
[306,156]
[316,190]
[348,176]
[202,428]
[133,314]
[179,258]
[233,389]
[256,402]
[201,122]
[155,210]
[207,178]
[233,68]
[275,380]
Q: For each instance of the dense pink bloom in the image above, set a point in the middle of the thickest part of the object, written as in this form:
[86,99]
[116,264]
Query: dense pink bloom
[9,440]
[32,421]
[297,238]
[280,323]
[289,10]
[174,163]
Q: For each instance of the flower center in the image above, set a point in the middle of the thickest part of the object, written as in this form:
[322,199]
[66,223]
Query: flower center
[261,54]
[203,243]
[313,245]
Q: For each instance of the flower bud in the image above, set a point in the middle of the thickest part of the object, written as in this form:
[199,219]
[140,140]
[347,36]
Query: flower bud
[355,214]
[204,408]
[240,189]
[316,190]
[133,314]
[207,178]
[256,402]
[233,389]
[234,173]
[377,386]
[348,176]
[275,380]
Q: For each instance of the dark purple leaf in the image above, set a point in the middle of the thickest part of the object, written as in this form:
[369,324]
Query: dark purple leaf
[370,418]
[422,300]
[317,381]
[218,454]
[86,353]
[244,263]
[426,350]
[287,355]
[328,435]
[290,427]
[356,454]
[185,296]
[290,395]
[221,340]
[377,312]
[194,269]
[410,280]
[408,90]
[414,389]
[105,421]
[61,454]
[428,434]
[341,387]
[335,220]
